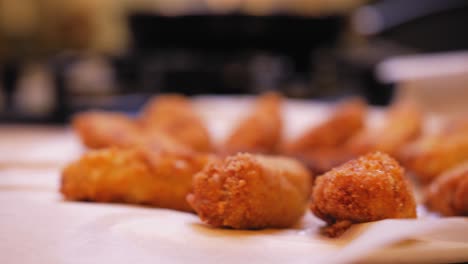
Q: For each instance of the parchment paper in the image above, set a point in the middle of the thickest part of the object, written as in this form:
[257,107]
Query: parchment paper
[37,226]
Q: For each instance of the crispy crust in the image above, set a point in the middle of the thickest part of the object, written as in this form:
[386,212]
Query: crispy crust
[133,175]
[261,131]
[448,194]
[248,191]
[369,188]
[174,115]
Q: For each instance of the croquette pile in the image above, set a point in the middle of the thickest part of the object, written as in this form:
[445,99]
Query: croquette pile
[345,171]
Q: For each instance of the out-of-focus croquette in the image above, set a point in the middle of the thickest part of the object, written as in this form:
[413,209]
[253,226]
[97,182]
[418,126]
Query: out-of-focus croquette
[403,124]
[133,175]
[260,131]
[448,194]
[174,115]
[347,119]
[99,129]
[431,155]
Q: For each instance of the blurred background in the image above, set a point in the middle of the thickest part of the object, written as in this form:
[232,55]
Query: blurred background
[59,57]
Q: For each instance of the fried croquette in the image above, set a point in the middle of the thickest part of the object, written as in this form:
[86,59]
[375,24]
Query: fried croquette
[321,148]
[366,189]
[347,119]
[403,124]
[174,115]
[248,191]
[99,129]
[448,194]
[430,156]
[133,175]
[455,126]
[261,131]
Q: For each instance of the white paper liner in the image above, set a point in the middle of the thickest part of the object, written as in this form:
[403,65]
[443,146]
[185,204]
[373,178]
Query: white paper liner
[37,226]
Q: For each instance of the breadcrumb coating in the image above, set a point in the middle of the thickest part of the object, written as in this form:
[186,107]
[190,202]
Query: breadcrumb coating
[247,191]
[133,175]
[366,189]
